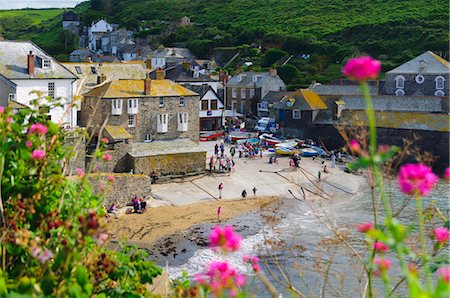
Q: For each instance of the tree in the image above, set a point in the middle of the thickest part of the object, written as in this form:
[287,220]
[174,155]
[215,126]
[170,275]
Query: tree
[288,73]
[273,55]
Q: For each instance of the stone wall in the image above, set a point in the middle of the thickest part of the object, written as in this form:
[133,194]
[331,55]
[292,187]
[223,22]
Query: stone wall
[171,164]
[123,189]
[428,87]
[76,142]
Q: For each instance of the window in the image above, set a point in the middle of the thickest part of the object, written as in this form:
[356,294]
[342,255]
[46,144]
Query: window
[233,93]
[181,101]
[214,104]
[131,120]
[78,69]
[116,107]
[252,93]
[289,103]
[161,102]
[162,123]
[148,138]
[132,106]
[46,63]
[182,121]
[400,82]
[439,93]
[204,105]
[11,96]
[51,90]
[440,83]
[420,79]
[296,114]
[243,93]
[399,92]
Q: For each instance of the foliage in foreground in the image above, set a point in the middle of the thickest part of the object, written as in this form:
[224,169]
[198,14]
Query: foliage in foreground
[53,228]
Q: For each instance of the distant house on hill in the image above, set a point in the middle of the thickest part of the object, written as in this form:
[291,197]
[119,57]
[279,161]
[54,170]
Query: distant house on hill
[185,21]
[166,57]
[95,33]
[81,55]
[426,74]
[70,19]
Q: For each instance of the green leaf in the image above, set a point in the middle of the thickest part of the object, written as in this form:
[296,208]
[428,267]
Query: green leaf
[81,275]
[75,291]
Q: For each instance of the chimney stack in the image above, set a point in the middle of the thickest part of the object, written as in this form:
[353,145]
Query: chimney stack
[159,74]
[30,64]
[147,85]
[148,63]
[273,72]
[101,79]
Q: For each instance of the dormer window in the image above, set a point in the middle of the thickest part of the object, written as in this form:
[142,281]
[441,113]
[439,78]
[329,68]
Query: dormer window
[46,63]
[440,83]
[239,78]
[399,92]
[400,82]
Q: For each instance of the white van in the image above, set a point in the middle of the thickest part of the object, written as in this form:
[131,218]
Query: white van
[265,124]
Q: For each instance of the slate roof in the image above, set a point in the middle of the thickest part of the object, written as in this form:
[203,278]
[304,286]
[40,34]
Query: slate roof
[303,99]
[341,89]
[430,104]
[247,80]
[178,146]
[70,16]
[117,132]
[201,90]
[172,53]
[135,88]
[275,96]
[433,65]
[112,71]
[14,62]
[178,73]
[85,52]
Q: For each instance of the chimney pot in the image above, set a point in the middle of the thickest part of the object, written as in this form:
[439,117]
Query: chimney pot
[30,65]
[159,74]
[273,72]
[147,85]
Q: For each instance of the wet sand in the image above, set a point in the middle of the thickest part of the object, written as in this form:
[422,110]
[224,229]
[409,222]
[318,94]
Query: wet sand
[144,229]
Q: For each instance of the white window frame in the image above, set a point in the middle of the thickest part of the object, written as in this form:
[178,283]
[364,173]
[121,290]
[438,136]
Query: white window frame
[252,93]
[116,107]
[11,96]
[233,92]
[46,63]
[51,90]
[182,119]
[298,116]
[147,138]
[400,82]
[182,101]
[243,93]
[132,106]
[131,120]
[420,79]
[162,120]
[439,93]
[161,102]
[400,92]
[438,81]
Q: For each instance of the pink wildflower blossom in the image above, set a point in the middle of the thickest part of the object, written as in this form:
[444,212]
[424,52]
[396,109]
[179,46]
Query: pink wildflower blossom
[104,140]
[416,179]
[354,146]
[254,261]
[382,264]
[101,187]
[362,68]
[106,157]
[444,273]
[80,172]
[2,109]
[441,234]
[221,276]
[45,256]
[28,144]
[380,247]
[111,178]
[225,238]
[364,228]
[37,154]
[38,129]
[8,120]
[447,173]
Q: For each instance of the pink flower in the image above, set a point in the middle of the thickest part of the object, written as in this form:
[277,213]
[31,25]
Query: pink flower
[45,256]
[447,173]
[2,109]
[364,228]
[37,154]
[100,237]
[383,148]
[441,234]
[80,172]
[28,144]
[382,264]
[104,140]
[225,238]
[444,273]
[416,179]
[101,187]
[254,261]
[111,178]
[38,129]
[8,120]
[221,276]
[380,247]
[354,146]
[362,68]
[106,157]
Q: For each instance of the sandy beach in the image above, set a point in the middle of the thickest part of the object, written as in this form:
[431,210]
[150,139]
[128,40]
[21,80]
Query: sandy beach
[143,229]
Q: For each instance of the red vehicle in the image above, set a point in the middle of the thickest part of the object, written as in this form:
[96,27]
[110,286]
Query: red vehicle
[210,135]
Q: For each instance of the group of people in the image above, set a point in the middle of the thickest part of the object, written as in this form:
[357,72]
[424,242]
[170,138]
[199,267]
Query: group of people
[243,194]
[225,164]
[250,150]
[294,162]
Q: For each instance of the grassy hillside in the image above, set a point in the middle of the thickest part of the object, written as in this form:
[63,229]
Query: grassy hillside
[35,15]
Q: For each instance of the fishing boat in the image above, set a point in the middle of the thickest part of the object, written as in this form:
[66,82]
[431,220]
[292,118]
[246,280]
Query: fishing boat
[281,150]
[270,139]
[241,135]
[210,135]
[319,150]
[251,141]
[308,152]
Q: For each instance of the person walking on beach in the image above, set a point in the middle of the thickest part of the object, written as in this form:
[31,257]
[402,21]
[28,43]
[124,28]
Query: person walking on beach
[216,150]
[220,190]
[211,161]
[222,149]
[333,160]
[232,151]
[254,191]
[244,194]
[218,214]
[319,174]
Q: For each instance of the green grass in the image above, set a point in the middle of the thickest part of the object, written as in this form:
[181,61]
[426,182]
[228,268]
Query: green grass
[36,15]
